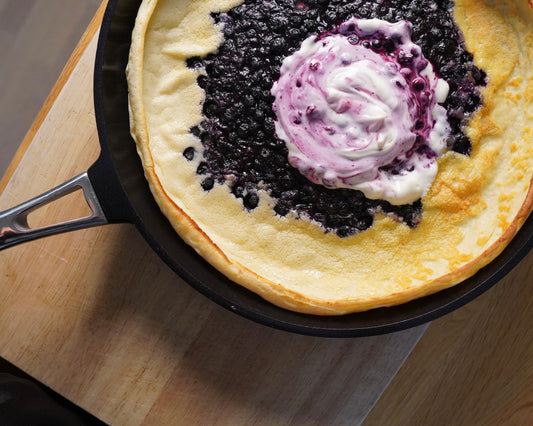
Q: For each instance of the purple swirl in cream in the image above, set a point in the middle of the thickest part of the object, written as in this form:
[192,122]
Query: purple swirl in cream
[358,107]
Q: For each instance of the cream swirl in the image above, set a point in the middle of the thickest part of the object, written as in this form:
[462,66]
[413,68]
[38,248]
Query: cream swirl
[358,108]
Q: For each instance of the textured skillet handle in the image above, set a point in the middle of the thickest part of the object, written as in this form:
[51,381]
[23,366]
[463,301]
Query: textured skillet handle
[14,228]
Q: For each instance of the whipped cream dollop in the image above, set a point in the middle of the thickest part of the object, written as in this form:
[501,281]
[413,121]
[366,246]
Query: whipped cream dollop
[358,107]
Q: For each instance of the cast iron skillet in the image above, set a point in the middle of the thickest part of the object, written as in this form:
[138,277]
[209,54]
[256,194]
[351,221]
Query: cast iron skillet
[116,191]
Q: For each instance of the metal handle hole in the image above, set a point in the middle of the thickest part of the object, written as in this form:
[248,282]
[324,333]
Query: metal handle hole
[14,226]
[69,207]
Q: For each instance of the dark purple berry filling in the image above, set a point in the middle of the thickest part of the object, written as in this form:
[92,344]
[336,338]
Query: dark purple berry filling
[240,145]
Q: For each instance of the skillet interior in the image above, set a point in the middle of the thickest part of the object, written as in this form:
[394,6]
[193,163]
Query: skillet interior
[118,178]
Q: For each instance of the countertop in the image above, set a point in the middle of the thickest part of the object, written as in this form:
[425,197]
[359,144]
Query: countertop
[98,317]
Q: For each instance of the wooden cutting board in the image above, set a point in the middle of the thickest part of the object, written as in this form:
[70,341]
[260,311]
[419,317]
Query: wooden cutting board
[98,317]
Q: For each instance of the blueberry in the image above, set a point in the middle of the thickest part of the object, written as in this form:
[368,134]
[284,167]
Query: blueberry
[418,84]
[405,58]
[202,168]
[189,153]
[238,134]
[238,191]
[208,183]
[251,200]
[353,39]
[462,145]
[376,44]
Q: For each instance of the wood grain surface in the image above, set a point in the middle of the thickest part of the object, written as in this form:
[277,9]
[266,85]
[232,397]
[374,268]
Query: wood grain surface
[472,367]
[97,316]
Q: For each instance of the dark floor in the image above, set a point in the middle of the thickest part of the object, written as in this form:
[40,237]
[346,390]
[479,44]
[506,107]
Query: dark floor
[26,402]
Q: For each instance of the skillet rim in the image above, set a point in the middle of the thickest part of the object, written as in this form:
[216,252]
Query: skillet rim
[126,198]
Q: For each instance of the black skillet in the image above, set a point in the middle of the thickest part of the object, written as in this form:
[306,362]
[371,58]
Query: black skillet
[116,191]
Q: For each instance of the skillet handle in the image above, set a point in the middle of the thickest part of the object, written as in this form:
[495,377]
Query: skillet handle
[14,228]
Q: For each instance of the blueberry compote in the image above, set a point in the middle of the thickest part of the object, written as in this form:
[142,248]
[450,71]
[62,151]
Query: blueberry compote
[240,147]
